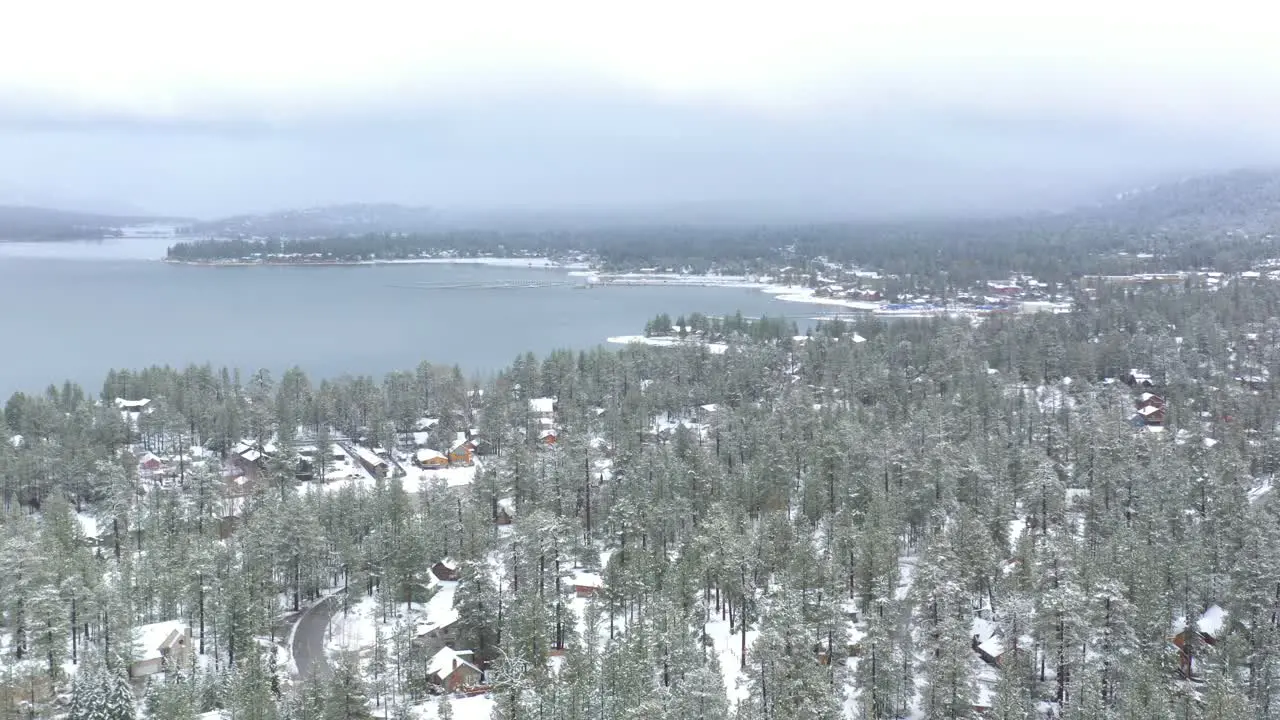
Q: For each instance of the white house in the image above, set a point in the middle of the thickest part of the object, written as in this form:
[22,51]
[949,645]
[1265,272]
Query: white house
[157,643]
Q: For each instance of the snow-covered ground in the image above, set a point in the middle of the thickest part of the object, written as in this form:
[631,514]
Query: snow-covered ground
[534,263]
[479,707]
[728,649]
[356,628]
[457,476]
[713,348]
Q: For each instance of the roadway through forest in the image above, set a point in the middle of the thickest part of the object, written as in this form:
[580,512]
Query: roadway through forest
[308,638]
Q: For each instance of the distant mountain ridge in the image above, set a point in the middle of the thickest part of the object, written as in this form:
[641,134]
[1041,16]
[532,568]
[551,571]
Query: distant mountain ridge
[1247,200]
[21,222]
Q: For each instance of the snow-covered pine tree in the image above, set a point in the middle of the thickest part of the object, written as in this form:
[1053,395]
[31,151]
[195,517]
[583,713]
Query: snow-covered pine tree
[118,700]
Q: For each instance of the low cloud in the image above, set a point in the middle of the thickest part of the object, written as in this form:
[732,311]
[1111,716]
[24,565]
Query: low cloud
[908,107]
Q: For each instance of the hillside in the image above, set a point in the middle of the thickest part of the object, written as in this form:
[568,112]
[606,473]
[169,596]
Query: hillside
[330,220]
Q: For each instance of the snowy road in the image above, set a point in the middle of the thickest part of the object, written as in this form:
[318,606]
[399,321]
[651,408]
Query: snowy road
[308,638]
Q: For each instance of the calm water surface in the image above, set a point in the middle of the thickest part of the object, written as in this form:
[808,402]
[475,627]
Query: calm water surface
[75,310]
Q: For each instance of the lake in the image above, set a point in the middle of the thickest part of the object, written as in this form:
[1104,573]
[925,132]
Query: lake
[75,310]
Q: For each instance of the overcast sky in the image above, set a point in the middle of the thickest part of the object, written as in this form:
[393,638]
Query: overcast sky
[900,106]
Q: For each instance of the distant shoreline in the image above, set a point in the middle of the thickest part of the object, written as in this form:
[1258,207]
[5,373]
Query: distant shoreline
[528,263]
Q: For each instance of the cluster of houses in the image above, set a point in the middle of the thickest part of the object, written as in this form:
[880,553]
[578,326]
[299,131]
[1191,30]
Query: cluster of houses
[992,296]
[1150,408]
[461,449]
[1212,279]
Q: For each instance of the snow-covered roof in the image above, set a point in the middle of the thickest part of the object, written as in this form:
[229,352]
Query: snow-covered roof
[987,636]
[542,405]
[368,456]
[426,423]
[147,457]
[151,638]
[88,524]
[1212,621]
[858,338]
[421,438]
[546,434]
[1148,410]
[426,455]
[712,407]
[442,664]
[132,405]
[439,612]
[450,563]
[16,441]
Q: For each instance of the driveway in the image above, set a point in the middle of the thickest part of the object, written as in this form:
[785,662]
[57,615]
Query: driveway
[308,638]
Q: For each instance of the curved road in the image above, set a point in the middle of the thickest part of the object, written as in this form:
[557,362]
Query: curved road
[308,638]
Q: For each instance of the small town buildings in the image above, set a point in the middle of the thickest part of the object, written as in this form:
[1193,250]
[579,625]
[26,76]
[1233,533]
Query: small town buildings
[160,646]
[452,670]
[445,570]
[429,459]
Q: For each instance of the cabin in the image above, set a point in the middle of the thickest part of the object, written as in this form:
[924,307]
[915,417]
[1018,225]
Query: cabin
[452,670]
[1148,399]
[159,646]
[132,410]
[430,459]
[462,452]
[505,513]
[481,447]
[1209,628]
[547,437]
[249,458]
[445,570]
[306,471]
[1138,379]
[587,584]
[706,412]
[149,463]
[375,465]
[1151,415]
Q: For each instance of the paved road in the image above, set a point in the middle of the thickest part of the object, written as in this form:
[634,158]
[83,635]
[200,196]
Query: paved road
[308,638]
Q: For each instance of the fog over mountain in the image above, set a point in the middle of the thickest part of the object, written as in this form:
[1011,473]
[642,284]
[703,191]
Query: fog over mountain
[825,112]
